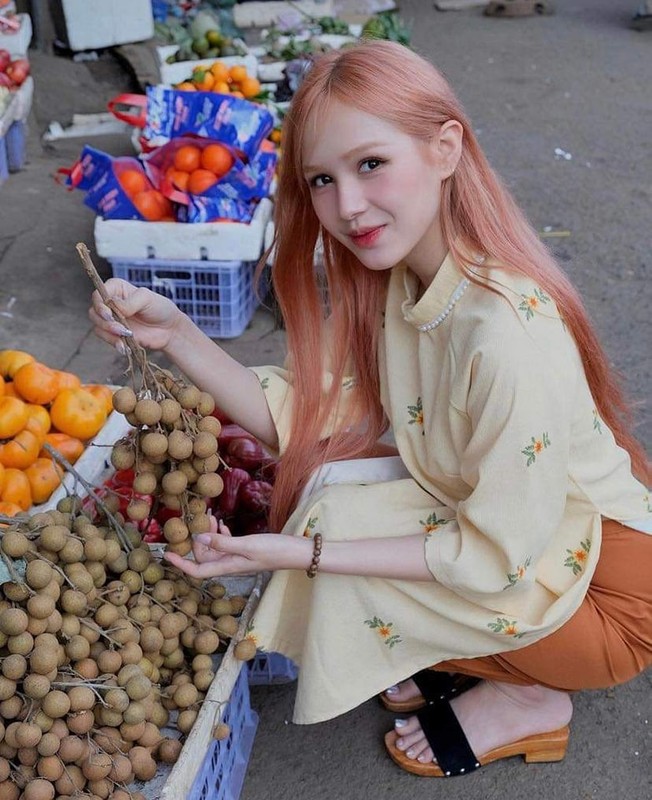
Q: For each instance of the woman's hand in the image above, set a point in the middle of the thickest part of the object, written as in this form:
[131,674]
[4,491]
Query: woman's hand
[151,317]
[218,554]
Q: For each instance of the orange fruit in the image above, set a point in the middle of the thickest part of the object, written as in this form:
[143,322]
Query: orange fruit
[39,418]
[77,413]
[16,488]
[21,451]
[237,94]
[67,380]
[186,86]
[132,181]
[238,73]
[220,71]
[200,180]
[187,158]
[69,447]
[203,80]
[217,159]
[103,393]
[250,87]
[152,205]
[178,178]
[44,477]
[13,415]
[222,87]
[37,383]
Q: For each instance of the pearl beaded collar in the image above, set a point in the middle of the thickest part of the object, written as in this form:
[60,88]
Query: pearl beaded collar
[437,321]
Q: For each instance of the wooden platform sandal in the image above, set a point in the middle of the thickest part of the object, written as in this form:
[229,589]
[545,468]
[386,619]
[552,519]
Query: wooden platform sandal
[518,8]
[453,753]
[434,686]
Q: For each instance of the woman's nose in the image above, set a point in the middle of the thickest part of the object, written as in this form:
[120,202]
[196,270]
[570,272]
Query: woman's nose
[352,201]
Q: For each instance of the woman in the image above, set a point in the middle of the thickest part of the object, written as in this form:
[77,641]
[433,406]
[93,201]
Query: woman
[509,539]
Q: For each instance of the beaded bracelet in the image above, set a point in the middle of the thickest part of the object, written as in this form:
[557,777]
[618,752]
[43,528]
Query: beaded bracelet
[316,554]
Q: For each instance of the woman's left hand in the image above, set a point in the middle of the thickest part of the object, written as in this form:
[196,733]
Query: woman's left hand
[218,553]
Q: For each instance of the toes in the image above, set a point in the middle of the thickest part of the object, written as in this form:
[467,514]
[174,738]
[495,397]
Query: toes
[404,727]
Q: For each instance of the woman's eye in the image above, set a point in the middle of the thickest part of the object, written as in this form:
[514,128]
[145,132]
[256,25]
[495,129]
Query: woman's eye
[370,164]
[320,180]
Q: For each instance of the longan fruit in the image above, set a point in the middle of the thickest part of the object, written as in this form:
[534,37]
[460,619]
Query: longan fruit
[204,465]
[169,750]
[124,400]
[22,644]
[209,485]
[207,641]
[179,445]
[175,530]
[145,483]
[14,667]
[227,625]
[154,444]
[147,412]
[188,470]
[175,482]
[205,444]
[203,679]
[170,411]
[189,397]
[186,720]
[244,650]
[138,509]
[15,544]
[40,606]
[221,731]
[210,424]
[123,455]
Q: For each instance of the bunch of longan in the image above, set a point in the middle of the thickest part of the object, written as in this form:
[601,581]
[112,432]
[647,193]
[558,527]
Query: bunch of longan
[174,453]
[100,649]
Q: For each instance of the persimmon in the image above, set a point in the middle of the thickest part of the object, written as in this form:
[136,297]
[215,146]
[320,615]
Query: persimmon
[222,87]
[133,181]
[237,94]
[217,159]
[200,180]
[16,488]
[67,380]
[10,390]
[13,416]
[8,509]
[2,386]
[220,71]
[21,451]
[186,86]
[12,360]
[203,80]
[152,205]
[69,446]
[77,413]
[103,393]
[187,158]
[44,477]
[37,383]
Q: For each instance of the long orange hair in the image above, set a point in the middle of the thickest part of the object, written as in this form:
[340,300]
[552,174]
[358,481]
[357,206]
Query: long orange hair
[478,215]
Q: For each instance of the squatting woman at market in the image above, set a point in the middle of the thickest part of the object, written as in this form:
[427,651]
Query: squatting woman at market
[502,559]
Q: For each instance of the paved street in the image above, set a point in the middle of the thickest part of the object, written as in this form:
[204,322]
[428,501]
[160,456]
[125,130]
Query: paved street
[579,81]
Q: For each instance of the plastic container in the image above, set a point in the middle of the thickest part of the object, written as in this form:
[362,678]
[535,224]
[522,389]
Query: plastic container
[218,296]
[16,147]
[271,668]
[90,24]
[223,771]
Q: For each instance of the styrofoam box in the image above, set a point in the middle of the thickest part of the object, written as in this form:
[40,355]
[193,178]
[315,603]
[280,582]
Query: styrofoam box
[265,13]
[104,23]
[18,43]
[213,241]
[182,70]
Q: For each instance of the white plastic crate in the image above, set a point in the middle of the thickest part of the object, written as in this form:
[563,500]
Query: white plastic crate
[88,24]
[219,296]
[216,241]
[18,43]
[182,70]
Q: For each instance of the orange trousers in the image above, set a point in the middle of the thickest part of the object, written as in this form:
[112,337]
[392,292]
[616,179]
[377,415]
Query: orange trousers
[606,642]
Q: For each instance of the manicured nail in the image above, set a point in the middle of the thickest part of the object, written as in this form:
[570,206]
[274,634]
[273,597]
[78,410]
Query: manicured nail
[423,759]
[120,330]
[410,754]
[392,690]
[400,723]
[105,314]
[121,347]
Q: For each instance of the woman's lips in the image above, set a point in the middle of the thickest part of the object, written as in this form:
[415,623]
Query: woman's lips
[367,237]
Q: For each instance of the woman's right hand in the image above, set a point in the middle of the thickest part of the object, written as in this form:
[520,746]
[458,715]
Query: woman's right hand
[152,318]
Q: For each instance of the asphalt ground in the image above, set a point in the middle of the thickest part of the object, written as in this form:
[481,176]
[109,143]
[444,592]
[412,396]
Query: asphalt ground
[579,81]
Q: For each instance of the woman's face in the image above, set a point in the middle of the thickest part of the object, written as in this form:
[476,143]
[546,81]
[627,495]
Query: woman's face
[376,189]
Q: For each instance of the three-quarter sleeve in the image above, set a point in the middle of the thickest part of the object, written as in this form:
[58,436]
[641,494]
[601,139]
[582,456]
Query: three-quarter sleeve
[519,408]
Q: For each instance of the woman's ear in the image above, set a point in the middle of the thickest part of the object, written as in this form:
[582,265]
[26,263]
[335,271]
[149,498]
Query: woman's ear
[448,146]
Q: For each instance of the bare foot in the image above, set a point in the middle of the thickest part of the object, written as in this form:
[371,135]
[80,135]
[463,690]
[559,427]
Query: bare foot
[407,690]
[491,715]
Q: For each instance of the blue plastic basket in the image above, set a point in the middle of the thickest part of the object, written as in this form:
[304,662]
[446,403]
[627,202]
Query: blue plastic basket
[4,162]
[222,774]
[218,296]
[159,10]
[270,668]
[16,146]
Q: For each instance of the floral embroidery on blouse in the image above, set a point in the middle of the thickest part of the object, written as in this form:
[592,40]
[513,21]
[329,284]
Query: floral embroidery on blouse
[432,523]
[384,631]
[533,449]
[312,522]
[416,414]
[264,383]
[530,303]
[597,424]
[504,626]
[515,577]
[577,558]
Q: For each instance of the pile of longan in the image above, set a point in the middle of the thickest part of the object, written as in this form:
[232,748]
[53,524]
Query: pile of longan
[174,453]
[100,649]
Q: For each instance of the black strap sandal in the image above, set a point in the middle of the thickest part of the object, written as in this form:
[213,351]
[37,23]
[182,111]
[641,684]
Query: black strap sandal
[447,740]
[434,687]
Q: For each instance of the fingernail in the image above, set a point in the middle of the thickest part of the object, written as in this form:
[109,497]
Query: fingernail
[120,330]
[400,723]
[106,314]
[392,690]
[121,347]
[204,538]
